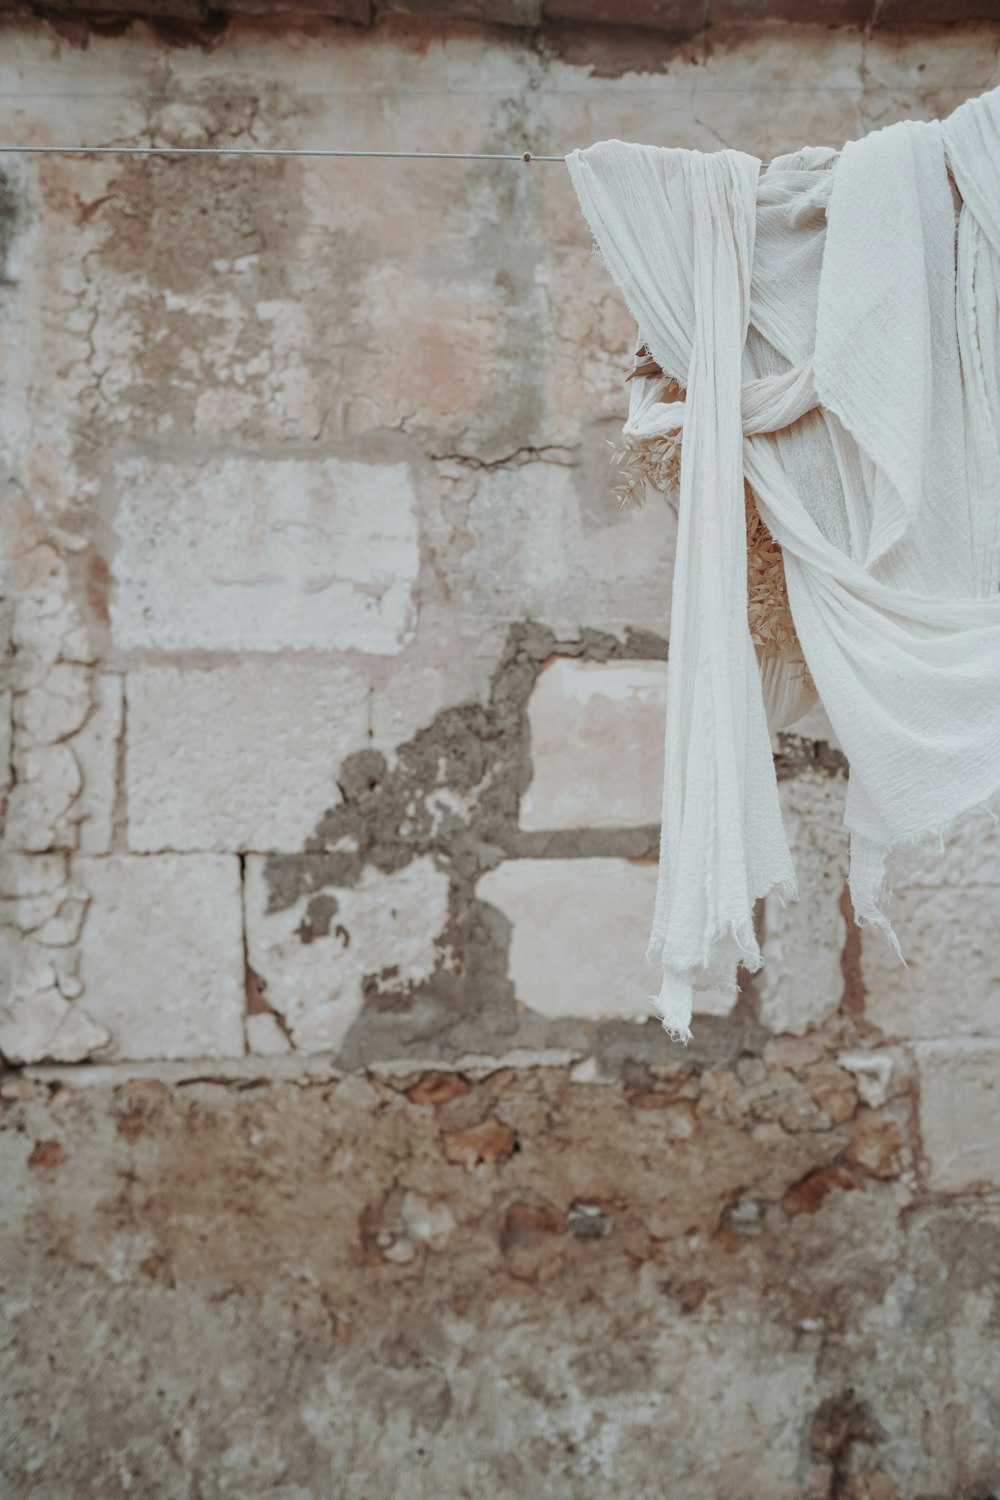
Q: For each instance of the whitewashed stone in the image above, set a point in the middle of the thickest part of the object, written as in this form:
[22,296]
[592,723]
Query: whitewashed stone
[41,804]
[951,982]
[265,1037]
[541,543]
[162,964]
[62,929]
[384,922]
[29,968]
[960,1113]
[31,888]
[48,624]
[579,934]
[968,856]
[801,981]
[45,1027]
[6,740]
[96,752]
[258,554]
[596,745]
[405,704]
[238,756]
[57,707]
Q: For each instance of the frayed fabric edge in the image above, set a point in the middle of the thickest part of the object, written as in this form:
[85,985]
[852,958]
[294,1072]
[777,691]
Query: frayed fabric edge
[871,882]
[674,1002]
[674,1005]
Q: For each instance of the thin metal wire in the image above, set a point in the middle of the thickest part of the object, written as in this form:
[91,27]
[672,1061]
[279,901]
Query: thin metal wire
[524,156]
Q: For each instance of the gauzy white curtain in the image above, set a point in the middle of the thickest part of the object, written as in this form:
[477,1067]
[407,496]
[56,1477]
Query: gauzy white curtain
[834,320]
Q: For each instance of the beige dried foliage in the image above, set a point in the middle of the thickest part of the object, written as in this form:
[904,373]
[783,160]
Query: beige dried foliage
[655,464]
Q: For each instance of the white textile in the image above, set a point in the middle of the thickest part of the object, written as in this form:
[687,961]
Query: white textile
[834,319]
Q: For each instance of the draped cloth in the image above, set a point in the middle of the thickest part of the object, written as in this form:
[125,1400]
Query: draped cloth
[834,322]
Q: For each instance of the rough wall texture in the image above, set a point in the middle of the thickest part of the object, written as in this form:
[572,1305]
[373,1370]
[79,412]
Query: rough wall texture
[341,1157]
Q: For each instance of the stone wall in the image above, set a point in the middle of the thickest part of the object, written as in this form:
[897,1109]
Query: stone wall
[341,1154]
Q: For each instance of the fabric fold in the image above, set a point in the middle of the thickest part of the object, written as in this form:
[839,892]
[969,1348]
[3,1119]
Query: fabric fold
[676,232]
[834,324]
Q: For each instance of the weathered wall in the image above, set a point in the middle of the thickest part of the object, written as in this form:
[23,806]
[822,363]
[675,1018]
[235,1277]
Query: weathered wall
[341,1156]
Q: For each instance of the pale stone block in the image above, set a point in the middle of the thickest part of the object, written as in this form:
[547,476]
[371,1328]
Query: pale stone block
[239,756]
[596,745]
[801,981]
[265,1037]
[96,752]
[579,934]
[314,980]
[259,554]
[162,961]
[960,1113]
[536,545]
[968,855]
[951,982]
[45,1027]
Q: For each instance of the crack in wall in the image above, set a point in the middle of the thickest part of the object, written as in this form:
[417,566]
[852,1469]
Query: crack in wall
[255,985]
[552,453]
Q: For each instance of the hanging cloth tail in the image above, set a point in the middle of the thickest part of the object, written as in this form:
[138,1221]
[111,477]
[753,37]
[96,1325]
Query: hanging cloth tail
[676,231]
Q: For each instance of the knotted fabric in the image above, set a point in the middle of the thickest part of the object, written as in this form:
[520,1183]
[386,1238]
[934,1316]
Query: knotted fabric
[833,321]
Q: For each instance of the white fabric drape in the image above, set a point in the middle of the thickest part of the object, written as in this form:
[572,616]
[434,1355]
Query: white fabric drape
[833,319]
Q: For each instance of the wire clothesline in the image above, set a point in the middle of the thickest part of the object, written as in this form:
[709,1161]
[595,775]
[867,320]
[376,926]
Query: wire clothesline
[522,156]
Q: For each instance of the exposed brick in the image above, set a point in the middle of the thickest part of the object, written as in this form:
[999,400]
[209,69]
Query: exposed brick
[46,1156]
[492,1141]
[833,1090]
[808,1196]
[438,1088]
[874,1146]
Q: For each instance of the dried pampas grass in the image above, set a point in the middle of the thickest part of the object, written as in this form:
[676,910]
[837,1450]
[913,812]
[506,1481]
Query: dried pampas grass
[655,464]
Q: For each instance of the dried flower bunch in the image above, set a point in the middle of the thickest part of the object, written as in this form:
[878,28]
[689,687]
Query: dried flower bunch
[655,464]
[768,609]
